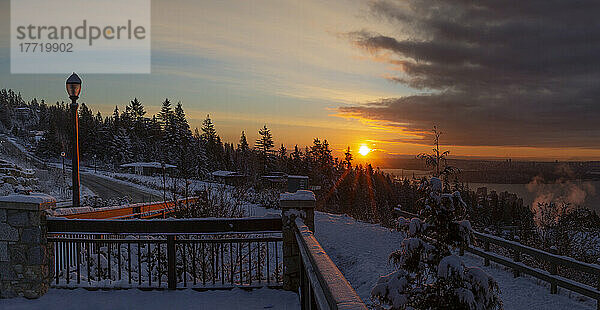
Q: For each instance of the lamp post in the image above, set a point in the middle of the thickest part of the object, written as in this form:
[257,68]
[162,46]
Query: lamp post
[164,182]
[73,89]
[63,154]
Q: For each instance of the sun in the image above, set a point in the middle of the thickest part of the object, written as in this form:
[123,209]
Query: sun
[364,150]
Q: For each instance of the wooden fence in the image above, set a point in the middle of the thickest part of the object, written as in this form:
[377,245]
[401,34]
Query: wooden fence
[554,261]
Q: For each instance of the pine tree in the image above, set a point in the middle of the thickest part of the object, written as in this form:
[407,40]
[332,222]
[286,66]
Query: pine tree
[348,158]
[165,114]
[429,276]
[243,154]
[170,134]
[121,147]
[282,152]
[199,154]
[243,146]
[212,144]
[209,133]
[136,110]
[263,145]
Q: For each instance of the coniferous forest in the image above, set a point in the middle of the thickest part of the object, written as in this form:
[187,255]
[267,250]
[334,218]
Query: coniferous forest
[130,134]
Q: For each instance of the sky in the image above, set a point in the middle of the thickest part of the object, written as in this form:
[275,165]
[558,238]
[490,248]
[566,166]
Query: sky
[503,79]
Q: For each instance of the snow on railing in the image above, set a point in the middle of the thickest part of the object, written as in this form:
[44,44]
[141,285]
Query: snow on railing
[322,283]
[553,260]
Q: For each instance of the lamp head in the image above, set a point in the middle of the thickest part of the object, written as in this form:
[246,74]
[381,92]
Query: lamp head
[73,85]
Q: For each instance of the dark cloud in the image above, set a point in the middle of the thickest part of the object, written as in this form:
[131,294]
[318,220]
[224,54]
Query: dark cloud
[505,72]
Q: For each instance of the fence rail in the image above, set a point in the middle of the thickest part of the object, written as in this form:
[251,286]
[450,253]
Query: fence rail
[203,253]
[169,226]
[138,210]
[553,260]
[322,285]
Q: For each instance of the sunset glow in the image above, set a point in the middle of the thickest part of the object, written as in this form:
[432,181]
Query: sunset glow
[364,150]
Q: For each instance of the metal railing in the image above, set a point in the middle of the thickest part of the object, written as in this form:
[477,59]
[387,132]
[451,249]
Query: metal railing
[196,253]
[138,210]
[518,264]
[322,285]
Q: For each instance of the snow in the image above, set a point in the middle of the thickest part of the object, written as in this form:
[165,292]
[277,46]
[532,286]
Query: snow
[133,299]
[298,195]
[416,226]
[33,198]
[449,266]
[148,165]
[397,283]
[361,251]
[223,173]
[436,184]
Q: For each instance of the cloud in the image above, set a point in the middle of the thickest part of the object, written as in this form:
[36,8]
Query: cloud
[491,73]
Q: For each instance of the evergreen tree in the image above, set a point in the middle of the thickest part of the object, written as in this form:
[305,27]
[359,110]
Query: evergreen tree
[212,144]
[166,113]
[243,146]
[170,133]
[137,110]
[263,145]
[429,276]
[243,154]
[209,133]
[282,152]
[348,158]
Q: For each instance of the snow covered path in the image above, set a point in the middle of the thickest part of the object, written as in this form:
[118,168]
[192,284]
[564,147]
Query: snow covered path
[360,250]
[133,299]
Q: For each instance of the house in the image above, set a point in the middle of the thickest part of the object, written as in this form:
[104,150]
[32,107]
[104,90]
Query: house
[289,183]
[296,182]
[228,177]
[148,168]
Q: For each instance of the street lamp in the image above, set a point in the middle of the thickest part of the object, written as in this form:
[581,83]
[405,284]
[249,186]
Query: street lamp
[73,89]
[63,154]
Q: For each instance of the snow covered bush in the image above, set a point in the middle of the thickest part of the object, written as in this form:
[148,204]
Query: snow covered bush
[429,275]
[213,201]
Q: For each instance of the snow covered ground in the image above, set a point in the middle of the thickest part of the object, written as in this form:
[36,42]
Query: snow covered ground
[133,299]
[360,250]
[154,184]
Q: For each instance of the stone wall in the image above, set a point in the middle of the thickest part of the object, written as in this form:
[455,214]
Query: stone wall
[299,204]
[26,260]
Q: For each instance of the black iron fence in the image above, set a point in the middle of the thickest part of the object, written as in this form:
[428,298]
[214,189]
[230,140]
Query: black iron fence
[203,253]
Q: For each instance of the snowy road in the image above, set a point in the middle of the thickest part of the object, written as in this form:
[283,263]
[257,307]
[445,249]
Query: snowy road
[360,250]
[107,189]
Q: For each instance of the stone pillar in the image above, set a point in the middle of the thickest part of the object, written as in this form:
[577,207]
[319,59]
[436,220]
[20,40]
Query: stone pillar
[26,262]
[299,204]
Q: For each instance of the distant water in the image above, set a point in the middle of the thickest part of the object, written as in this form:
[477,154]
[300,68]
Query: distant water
[583,193]
[407,172]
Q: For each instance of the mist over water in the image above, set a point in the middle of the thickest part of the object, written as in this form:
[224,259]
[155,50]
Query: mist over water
[576,192]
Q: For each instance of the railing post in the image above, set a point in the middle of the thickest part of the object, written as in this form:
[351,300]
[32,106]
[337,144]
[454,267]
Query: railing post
[171,275]
[486,247]
[517,258]
[598,286]
[299,204]
[26,257]
[553,271]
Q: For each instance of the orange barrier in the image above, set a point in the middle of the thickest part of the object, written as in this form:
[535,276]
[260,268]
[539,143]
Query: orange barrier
[138,210]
